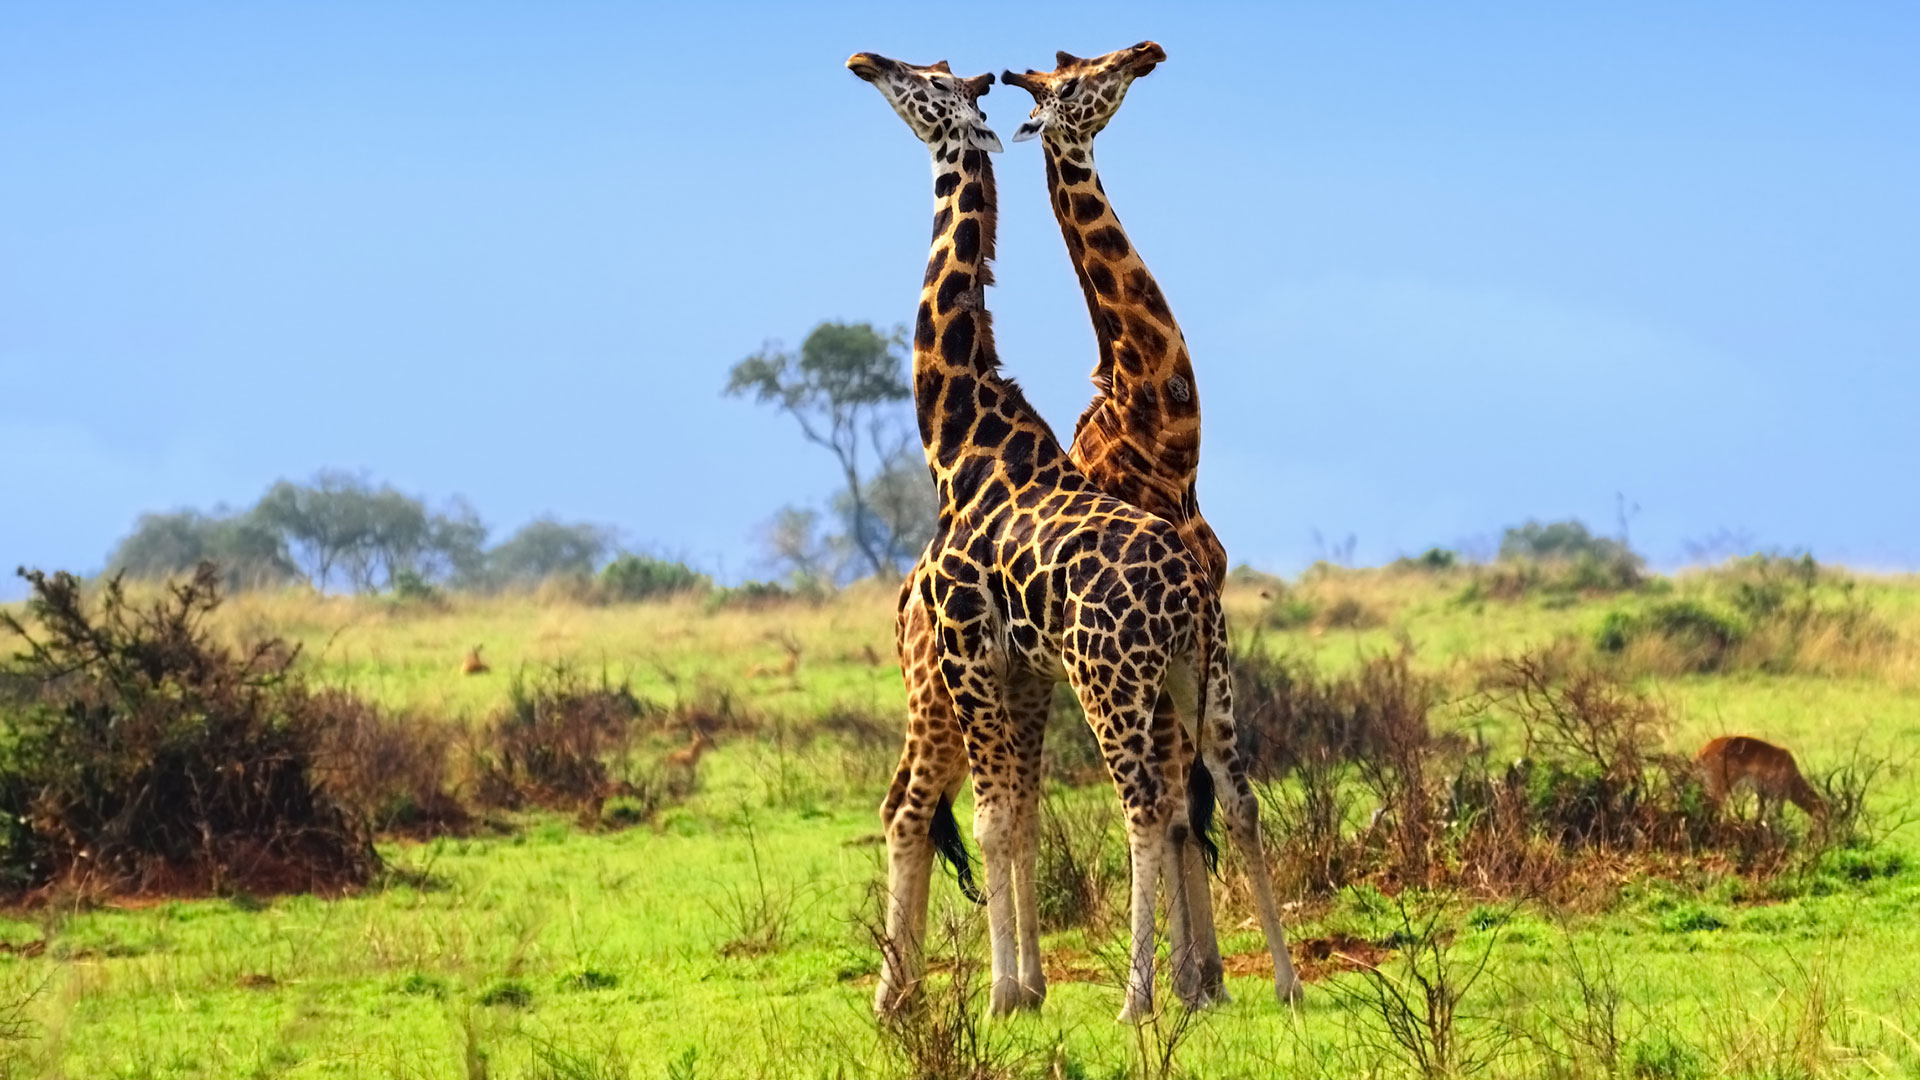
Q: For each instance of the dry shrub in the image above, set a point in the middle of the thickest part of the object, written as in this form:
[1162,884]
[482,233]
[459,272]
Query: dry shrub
[566,742]
[1594,777]
[1083,861]
[1307,827]
[1287,711]
[1395,765]
[396,770]
[146,757]
[1348,612]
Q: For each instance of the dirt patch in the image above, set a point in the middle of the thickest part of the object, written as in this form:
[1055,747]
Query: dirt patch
[1073,965]
[1313,958]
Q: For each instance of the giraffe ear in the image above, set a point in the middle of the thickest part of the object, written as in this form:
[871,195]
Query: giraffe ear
[982,137]
[1035,124]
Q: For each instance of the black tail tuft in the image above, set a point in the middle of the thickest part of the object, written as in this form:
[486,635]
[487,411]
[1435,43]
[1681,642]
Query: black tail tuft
[1200,813]
[944,831]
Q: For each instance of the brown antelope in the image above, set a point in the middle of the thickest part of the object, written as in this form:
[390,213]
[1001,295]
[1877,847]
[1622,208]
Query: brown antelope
[473,665]
[688,756]
[1770,770]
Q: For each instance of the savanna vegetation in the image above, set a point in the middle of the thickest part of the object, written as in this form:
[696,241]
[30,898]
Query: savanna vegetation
[279,831]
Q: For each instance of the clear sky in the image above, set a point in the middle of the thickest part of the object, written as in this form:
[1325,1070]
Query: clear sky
[1440,269]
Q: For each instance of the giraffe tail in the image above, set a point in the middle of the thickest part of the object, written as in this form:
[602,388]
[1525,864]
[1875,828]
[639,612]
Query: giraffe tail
[1200,793]
[1200,813]
[944,831]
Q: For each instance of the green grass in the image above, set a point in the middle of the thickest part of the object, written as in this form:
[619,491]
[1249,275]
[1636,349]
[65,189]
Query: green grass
[554,952]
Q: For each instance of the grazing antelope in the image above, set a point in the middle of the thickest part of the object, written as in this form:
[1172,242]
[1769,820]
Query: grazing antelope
[1769,770]
[473,665]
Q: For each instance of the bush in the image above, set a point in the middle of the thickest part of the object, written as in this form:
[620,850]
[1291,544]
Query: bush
[1286,711]
[631,578]
[1700,638]
[1434,560]
[755,595]
[1560,541]
[144,756]
[1287,611]
[394,770]
[565,742]
[412,589]
[1561,558]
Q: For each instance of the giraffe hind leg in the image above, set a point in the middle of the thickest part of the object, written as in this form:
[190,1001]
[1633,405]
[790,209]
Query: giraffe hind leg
[1029,700]
[1199,975]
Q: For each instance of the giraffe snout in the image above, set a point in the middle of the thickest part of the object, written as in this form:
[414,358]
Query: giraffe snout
[869,66]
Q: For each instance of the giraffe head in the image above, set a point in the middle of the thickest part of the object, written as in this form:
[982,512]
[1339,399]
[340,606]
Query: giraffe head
[942,109]
[1074,101]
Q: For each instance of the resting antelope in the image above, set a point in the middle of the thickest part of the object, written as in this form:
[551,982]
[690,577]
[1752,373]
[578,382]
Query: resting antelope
[473,665]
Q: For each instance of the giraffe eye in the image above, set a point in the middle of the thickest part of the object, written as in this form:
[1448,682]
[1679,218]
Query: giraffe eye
[1068,88]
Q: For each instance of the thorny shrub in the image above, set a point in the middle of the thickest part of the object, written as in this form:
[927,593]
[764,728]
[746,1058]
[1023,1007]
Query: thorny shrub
[144,756]
[564,741]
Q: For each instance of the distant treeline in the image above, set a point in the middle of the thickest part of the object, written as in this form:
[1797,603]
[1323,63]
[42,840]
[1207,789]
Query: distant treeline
[343,531]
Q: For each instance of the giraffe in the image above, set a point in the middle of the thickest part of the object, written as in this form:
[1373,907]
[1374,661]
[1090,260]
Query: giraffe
[1034,575]
[1130,447]
[1139,437]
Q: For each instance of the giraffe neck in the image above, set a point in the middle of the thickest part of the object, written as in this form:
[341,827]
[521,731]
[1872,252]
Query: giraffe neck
[975,424]
[1140,436]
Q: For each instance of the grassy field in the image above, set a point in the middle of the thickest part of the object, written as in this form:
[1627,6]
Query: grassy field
[729,936]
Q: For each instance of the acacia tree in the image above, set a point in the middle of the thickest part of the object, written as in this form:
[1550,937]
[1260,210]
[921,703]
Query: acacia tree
[897,510]
[843,388]
[341,522]
[250,554]
[545,548]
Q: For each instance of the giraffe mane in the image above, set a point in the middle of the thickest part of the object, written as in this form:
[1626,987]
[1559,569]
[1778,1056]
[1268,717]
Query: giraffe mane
[983,317]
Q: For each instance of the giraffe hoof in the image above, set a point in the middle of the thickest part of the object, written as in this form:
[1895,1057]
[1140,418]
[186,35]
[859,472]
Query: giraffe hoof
[890,1001]
[1007,997]
[1032,997]
[1289,990]
[1135,1012]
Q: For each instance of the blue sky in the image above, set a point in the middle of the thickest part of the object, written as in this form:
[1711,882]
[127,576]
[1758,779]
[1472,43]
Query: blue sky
[1441,268]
